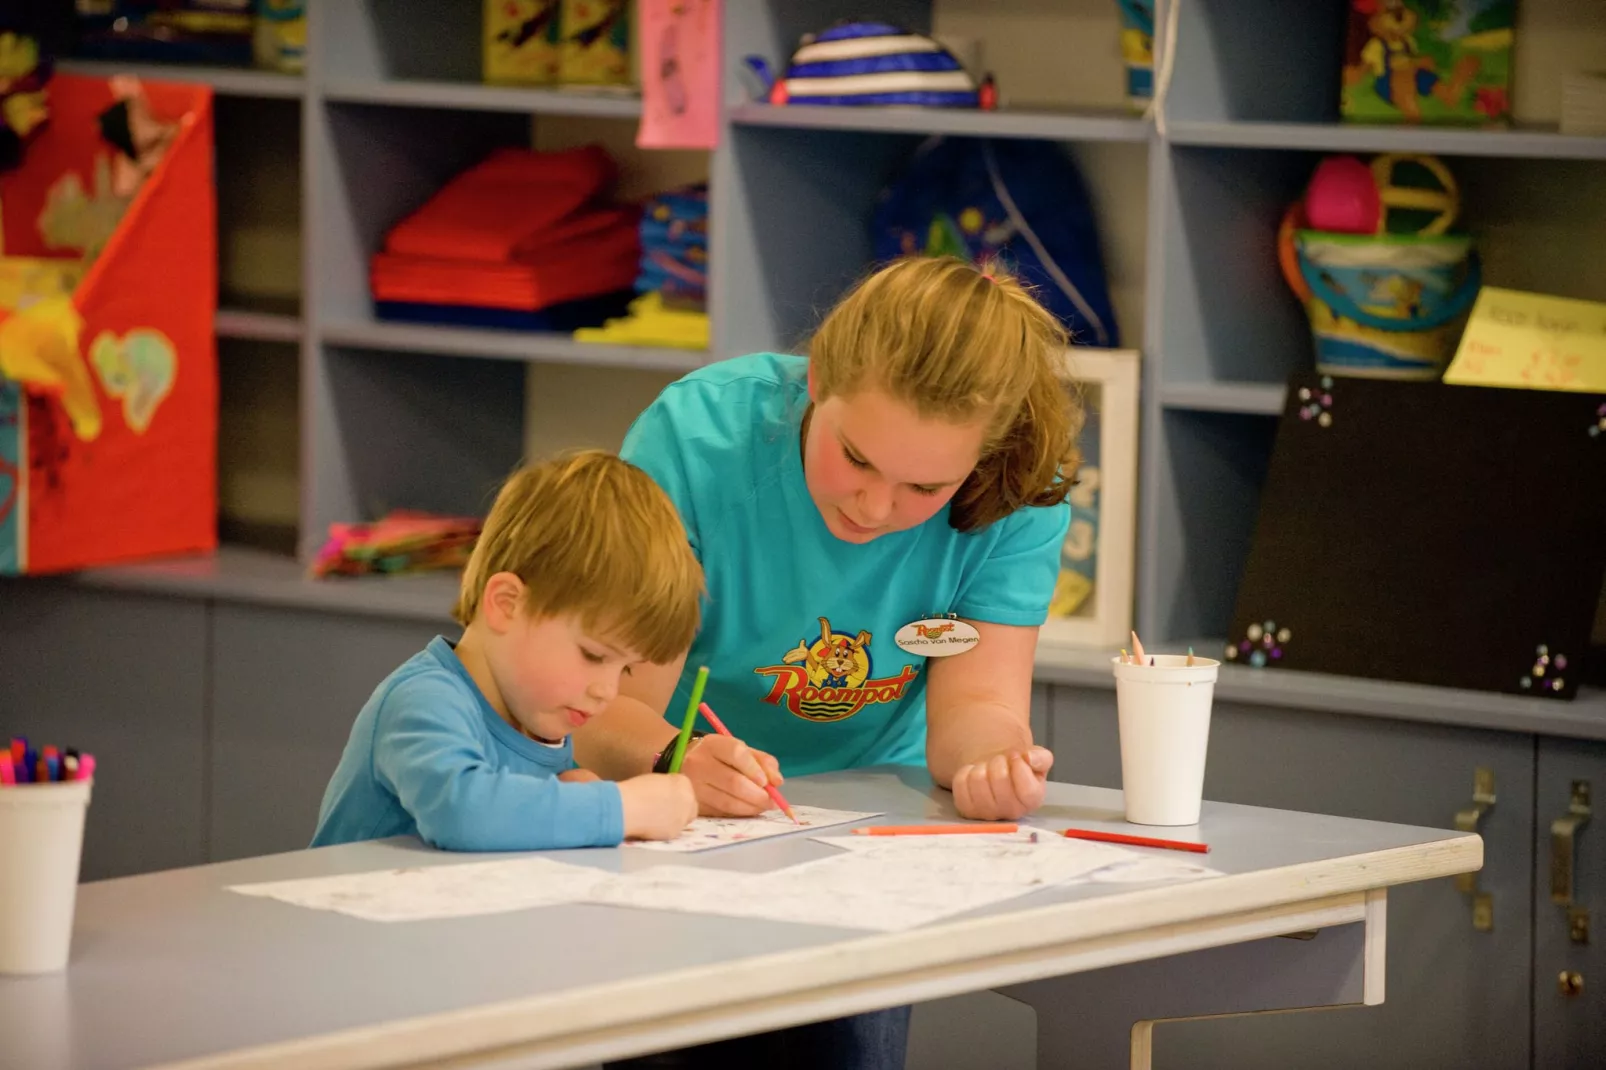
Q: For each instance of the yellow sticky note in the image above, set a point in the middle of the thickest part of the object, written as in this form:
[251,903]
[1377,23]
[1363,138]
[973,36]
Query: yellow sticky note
[1517,339]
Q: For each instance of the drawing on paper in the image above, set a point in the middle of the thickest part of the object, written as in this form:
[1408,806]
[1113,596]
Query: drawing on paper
[709,832]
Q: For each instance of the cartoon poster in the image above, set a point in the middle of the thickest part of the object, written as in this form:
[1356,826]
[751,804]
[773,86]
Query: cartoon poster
[680,62]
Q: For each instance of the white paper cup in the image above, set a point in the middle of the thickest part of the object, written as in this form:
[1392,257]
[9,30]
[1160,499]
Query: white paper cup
[41,839]
[1164,711]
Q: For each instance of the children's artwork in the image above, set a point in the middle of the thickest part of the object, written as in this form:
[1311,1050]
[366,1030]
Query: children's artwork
[1379,550]
[1428,61]
[1092,602]
[419,893]
[708,832]
[1532,341]
[680,92]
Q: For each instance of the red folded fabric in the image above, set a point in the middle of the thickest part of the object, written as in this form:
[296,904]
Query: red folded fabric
[584,266]
[589,222]
[491,209]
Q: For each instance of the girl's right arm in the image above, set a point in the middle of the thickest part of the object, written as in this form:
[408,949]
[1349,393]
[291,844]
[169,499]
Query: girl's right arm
[623,742]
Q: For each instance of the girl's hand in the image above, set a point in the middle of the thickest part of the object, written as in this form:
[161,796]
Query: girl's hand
[1003,787]
[578,776]
[730,776]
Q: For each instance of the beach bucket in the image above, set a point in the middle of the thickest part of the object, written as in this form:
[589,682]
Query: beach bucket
[1384,306]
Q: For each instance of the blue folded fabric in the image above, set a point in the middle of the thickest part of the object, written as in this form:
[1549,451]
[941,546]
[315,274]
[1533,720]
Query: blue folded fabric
[565,317]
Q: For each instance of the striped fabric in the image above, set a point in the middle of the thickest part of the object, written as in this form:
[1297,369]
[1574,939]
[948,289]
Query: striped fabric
[872,63]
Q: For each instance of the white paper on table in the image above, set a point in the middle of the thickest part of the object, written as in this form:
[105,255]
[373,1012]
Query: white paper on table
[709,832]
[1149,869]
[1133,867]
[886,886]
[449,891]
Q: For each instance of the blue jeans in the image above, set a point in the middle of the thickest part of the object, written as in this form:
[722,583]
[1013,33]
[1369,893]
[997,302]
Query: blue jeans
[877,1040]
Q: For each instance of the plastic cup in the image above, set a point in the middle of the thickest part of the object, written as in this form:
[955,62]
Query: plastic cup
[41,838]
[1164,712]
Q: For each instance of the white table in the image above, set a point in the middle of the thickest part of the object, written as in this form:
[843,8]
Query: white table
[171,970]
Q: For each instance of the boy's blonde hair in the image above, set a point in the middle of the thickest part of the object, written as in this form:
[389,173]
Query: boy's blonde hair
[592,534]
[958,342]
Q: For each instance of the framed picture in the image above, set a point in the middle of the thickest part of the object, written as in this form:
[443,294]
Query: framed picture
[1092,604]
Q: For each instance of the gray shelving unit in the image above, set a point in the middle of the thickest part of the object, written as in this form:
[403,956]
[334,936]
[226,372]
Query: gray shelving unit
[432,417]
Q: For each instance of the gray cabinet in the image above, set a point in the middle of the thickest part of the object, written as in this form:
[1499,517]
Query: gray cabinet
[1457,987]
[287,685]
[1569,904]
[123,677]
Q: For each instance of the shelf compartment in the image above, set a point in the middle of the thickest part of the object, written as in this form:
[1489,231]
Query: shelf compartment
[527,346]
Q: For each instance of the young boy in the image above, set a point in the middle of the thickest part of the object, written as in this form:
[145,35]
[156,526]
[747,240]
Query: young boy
[583,569]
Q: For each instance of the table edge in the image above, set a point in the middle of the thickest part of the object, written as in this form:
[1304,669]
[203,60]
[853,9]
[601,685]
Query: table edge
[549,1017]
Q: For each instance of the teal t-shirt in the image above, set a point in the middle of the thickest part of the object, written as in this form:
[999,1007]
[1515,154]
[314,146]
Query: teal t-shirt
[724,443]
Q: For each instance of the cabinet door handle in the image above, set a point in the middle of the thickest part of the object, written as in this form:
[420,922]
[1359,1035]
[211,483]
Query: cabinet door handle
[1563,854]
[1469,820]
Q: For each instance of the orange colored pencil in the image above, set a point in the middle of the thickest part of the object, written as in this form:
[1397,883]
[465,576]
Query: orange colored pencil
[775,793]
[933,830]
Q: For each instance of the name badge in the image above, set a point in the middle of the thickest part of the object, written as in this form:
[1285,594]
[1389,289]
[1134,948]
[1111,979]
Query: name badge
[937,637]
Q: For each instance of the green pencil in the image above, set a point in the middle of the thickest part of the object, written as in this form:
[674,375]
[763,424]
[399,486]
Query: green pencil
[691,718]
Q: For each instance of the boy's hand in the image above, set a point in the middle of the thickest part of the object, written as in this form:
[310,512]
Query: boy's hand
[657,806]
[730,776]
[1004,787]
[578,776]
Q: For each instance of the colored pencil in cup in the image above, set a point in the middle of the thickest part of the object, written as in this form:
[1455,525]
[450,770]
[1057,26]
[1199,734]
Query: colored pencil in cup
[774,792]
[691,718]
[934,830]
[1135,841]
[1190,655]
[1137,647]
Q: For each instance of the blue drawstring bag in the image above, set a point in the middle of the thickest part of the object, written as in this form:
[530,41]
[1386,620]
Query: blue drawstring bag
[1021,202]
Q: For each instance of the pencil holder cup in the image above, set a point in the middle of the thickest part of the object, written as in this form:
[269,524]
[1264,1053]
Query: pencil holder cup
[41,838]
[1164,714]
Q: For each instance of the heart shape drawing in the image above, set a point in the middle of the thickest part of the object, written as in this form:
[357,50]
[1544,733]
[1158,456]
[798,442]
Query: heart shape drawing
[139,368]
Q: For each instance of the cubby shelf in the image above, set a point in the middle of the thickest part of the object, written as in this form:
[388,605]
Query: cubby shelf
[469,96]
[528,346]
[1264,399]
[258,326]
[387,115]
[1023,123]
[226,81]
[1536,142]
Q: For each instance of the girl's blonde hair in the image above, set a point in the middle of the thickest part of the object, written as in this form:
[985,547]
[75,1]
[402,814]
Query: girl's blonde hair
[592,534]
[960,342]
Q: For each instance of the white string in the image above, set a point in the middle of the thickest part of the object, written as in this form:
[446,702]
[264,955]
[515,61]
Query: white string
[1164,61]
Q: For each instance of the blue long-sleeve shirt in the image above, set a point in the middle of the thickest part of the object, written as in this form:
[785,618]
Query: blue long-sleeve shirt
[428,756]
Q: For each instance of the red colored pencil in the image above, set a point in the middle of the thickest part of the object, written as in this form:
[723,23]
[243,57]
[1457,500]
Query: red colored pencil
[719,726]
[1137,841]
[933,830]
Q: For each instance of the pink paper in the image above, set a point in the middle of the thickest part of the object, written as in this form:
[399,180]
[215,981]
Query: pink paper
[680,64]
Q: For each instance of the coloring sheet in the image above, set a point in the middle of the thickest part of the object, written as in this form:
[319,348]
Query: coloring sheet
[419,893]
[1131,867]
[897,883]
[710,832]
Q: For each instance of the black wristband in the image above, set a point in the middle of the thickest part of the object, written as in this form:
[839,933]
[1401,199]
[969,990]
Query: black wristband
[661,760]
